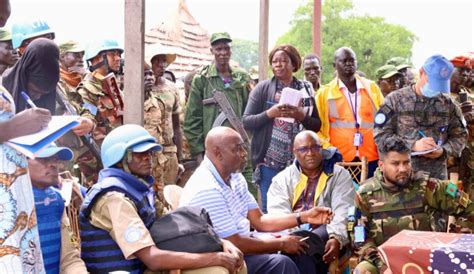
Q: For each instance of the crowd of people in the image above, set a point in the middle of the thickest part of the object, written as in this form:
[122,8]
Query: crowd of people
[263,166]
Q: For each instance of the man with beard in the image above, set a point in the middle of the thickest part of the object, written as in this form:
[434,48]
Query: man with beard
[347,107]
[8,55]
[313,180]
[312,70]
[398,198]
[99,89]
[219,187]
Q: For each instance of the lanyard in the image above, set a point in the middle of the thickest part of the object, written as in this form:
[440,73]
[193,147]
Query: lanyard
[354,111]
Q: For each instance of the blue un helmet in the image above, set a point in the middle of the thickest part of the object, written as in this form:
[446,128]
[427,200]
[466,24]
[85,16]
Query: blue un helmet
[99,47]
[29,29]
[127,137]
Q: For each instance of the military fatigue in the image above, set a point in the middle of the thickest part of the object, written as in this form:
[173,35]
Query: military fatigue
[386,212]
[101,105]
[199,118]
[404,113]
[85,160]
[160,106]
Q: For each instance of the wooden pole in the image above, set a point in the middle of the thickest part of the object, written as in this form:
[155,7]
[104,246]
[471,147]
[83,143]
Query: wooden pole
[317,28]
[263,41]
[134,58]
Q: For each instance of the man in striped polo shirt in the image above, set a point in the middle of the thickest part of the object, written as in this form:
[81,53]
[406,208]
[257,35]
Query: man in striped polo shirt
[219,186]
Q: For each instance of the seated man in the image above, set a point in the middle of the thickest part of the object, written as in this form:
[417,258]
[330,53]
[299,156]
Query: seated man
[311,181]
[398,198]
[59,253]
[219,186]
[118,211]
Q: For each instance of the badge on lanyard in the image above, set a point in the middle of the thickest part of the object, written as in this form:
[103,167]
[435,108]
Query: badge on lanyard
[357,139]
[359,234]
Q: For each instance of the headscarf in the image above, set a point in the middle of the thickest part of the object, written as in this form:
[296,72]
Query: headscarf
[39,65]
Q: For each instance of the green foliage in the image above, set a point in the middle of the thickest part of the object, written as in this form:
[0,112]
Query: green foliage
[245,52]
[373,36]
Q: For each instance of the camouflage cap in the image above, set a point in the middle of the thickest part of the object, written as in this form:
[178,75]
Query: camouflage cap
[398,62]
[386,71]
[70,46]
[5,35]
[218,36]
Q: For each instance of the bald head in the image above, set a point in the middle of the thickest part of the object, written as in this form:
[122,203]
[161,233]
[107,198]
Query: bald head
[304,135]
[306,148]
[343,51]
[345,63]
[226,150]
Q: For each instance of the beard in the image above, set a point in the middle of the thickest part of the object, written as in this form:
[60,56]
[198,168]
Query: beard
[401,180]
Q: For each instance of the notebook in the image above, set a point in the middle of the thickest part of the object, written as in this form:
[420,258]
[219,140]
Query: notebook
[31,145]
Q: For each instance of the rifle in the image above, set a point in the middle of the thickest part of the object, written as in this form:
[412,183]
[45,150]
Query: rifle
[86,139]
[218,97]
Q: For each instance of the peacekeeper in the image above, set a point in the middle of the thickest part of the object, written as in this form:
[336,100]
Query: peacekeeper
[23,33]
[399,198]
[118,211]
[164,123]
[426,117]
[69,102]
[99,89]
[221,76]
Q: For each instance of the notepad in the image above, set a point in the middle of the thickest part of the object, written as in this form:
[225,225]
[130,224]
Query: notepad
[31,145]
[291,97]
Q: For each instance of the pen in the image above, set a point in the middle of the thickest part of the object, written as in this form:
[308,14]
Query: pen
[28,99]
[304,239]
[6,98]
[421,133]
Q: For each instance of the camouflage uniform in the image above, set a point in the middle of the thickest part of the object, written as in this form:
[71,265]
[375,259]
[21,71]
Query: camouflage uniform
[405,114]
[87,163]
[386,212]
[102,106]
[160,107]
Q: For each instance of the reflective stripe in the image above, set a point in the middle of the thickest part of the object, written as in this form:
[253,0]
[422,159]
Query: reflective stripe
[350,125]
[333,109]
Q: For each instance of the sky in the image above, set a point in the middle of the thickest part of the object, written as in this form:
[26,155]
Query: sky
[442,26]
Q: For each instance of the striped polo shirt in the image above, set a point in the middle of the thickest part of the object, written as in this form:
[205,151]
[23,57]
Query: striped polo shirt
[227,206]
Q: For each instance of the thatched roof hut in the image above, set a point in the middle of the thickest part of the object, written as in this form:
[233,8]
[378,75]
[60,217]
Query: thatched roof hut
[182,34]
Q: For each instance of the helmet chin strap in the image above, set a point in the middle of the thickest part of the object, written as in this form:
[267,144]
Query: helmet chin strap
[126,160]
[104,63]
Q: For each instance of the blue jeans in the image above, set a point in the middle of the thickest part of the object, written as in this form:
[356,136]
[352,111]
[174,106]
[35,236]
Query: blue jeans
[266,176]
[270,264]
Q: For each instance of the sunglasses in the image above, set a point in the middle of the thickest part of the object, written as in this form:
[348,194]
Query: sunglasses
[313,148]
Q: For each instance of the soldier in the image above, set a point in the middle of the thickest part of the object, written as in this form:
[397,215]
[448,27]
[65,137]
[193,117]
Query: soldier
[401,64]
[220,76]
[398,198]
[23,33]
[70,102]
[388,79]
[253,72]
[164,124]
[99,89]
[312,70]
[8,55]
[426,117]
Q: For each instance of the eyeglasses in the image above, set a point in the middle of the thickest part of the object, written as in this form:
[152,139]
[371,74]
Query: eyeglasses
[305,150]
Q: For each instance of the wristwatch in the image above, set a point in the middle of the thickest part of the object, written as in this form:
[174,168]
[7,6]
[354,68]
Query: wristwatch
[298,218]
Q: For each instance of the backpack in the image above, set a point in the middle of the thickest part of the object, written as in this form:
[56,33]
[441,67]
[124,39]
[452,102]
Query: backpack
[186,229]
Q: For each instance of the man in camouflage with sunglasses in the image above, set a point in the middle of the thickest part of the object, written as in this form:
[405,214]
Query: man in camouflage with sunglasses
[426,117]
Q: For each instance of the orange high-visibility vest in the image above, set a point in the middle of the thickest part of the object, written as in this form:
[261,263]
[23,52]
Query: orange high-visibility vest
[343,127]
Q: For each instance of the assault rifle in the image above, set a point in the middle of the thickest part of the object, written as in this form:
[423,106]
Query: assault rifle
[227,112]
[86,139]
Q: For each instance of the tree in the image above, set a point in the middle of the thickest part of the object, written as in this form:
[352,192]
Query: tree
[245,52]
[373,40]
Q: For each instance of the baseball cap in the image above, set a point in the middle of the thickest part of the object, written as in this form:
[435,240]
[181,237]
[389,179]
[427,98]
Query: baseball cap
[5,35]
[220,36]
[70,46]
[386,71]
[64,153]
[399,62]
[145,146]
[439,70]
[462,61]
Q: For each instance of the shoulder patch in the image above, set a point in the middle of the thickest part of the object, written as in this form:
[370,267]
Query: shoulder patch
[132,234]
[380,119]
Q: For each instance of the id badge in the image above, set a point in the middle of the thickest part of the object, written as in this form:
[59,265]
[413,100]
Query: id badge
[359,234]
[357,139]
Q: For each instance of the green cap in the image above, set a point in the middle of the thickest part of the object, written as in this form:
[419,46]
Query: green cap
[386,71]
[70,46]
[398,62]
[220,36]
[5,35]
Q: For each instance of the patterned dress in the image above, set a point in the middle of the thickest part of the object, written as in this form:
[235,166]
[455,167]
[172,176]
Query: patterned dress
[20,250]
